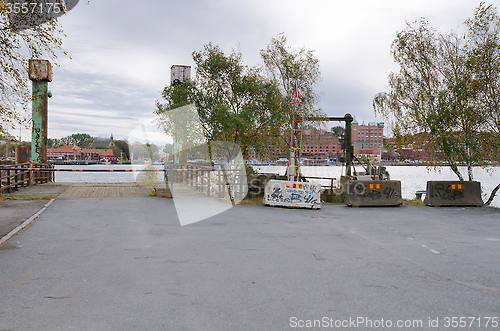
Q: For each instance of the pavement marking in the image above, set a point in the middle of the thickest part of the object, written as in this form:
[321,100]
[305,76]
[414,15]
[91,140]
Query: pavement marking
[492,239]
[432,250]
[24,224]
[480,287]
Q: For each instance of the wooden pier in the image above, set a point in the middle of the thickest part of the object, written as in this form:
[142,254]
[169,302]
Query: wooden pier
[105,190]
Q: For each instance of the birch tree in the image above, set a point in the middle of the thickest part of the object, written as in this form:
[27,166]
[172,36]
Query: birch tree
[235,103]
[18,43]
[445,97]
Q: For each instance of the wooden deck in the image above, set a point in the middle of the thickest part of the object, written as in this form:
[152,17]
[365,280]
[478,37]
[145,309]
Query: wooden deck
[105,190]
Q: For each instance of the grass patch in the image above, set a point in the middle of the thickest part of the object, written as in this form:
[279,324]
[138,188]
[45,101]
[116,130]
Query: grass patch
[29,197]
[414,202]
[161,194]
[336,199]
[252,201]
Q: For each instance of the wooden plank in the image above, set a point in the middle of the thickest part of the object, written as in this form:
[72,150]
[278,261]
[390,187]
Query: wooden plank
[117,190]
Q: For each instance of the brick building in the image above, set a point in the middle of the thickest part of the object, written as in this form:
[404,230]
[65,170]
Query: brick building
[75,153]
[320,144]
[367,141]
[369,136]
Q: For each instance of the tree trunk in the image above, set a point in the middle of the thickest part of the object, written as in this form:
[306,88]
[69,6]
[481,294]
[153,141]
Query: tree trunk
[492,195]
[457,172]
[469,171]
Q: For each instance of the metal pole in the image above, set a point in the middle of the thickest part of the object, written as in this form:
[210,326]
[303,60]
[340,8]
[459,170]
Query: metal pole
[296,141]
[348,144]
[7,145]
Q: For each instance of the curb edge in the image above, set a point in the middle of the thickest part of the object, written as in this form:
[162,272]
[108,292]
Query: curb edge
[25,223]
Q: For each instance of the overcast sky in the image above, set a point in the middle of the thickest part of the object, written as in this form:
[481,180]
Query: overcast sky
[122,51]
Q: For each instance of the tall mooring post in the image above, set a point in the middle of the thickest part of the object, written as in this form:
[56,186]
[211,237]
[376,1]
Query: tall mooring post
[179,74]
[40,73]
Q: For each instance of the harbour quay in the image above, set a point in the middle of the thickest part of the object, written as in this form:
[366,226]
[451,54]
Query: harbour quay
[108,263]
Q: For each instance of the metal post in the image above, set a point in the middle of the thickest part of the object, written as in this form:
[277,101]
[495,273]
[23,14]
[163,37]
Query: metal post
[7,145]
[293,171]
[208,182]
[348,144]
[219,180]
[40,73]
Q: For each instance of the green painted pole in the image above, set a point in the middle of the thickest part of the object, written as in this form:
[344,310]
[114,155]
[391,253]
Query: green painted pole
[40,73]
[39,118]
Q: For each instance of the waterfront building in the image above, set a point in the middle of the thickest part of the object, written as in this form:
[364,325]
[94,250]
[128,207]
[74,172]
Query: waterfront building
[364,136]
[103,143]
[74,153]
[320,144]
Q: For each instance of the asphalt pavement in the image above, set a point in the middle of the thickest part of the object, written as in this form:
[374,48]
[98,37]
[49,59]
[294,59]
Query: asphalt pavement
[127,264]
[14,213]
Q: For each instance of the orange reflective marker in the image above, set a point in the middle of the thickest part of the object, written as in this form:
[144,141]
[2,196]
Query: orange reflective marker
[294,186]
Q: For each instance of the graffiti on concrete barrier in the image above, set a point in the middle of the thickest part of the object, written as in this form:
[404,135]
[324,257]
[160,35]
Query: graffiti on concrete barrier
[295,193]
[391,193]
[362,191]
[310,199]
[277,194]
[448,192]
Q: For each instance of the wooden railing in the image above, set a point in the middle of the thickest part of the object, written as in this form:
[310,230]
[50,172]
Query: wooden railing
[209,180]
[41,177]
[12,178]
[212,181]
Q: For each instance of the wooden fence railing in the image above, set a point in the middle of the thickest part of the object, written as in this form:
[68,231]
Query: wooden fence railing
[212,180]
[209,180]
[13,179]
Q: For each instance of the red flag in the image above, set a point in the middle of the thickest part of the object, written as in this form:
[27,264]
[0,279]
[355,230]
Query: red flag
[296,96]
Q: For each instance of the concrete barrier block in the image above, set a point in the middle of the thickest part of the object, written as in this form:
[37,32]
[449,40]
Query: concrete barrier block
[292,194]
[360,193]
[453,193]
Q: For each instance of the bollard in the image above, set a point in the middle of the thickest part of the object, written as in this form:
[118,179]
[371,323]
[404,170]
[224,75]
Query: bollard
[453,193]
[373,193]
